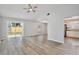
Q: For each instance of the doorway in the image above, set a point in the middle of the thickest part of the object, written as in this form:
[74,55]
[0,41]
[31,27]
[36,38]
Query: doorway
[15,29]
[71,31]
[71,28]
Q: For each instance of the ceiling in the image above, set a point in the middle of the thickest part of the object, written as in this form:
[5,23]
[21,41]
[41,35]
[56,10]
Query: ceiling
[17,11]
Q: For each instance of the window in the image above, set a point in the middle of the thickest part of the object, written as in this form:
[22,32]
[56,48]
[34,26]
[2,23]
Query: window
[14,29]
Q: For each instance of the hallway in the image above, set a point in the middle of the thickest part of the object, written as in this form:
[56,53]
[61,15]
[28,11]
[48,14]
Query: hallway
[36,45]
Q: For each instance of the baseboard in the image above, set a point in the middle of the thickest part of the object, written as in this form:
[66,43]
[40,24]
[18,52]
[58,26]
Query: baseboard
[72,37]
[56,40]
[3,37]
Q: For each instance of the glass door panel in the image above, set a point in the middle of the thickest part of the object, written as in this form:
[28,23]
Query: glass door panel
[15,29]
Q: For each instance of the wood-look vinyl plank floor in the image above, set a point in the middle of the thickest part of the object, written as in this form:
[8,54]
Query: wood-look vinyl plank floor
[38,46]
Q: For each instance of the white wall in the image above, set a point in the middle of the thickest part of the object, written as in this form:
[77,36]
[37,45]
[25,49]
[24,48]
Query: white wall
[30,27]
[56,20]
[0,26]
[56,28]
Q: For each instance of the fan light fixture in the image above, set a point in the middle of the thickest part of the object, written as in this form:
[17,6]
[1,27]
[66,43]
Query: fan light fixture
[30,8]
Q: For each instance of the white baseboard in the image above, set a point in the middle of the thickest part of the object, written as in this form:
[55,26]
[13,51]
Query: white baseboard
[56,40]
[3,37]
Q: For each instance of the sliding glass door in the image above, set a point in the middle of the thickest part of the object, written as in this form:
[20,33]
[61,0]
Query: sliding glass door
[15,29]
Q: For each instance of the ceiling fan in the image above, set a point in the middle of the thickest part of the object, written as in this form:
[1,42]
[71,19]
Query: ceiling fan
[30,8]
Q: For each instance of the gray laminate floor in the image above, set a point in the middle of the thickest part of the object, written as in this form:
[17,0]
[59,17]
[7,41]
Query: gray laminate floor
[38,45]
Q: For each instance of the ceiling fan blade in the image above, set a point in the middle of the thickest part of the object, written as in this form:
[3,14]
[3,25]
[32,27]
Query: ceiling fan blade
[33,10]
[25,8]
[29,6]
[35,7]
[28,11]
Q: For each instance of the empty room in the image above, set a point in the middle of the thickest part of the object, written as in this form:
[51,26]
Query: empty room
[39,29]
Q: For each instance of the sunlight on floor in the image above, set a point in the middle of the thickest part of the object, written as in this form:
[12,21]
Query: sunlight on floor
[14,36]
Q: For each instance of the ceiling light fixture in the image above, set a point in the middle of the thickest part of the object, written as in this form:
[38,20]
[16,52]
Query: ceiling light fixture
[30,8]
